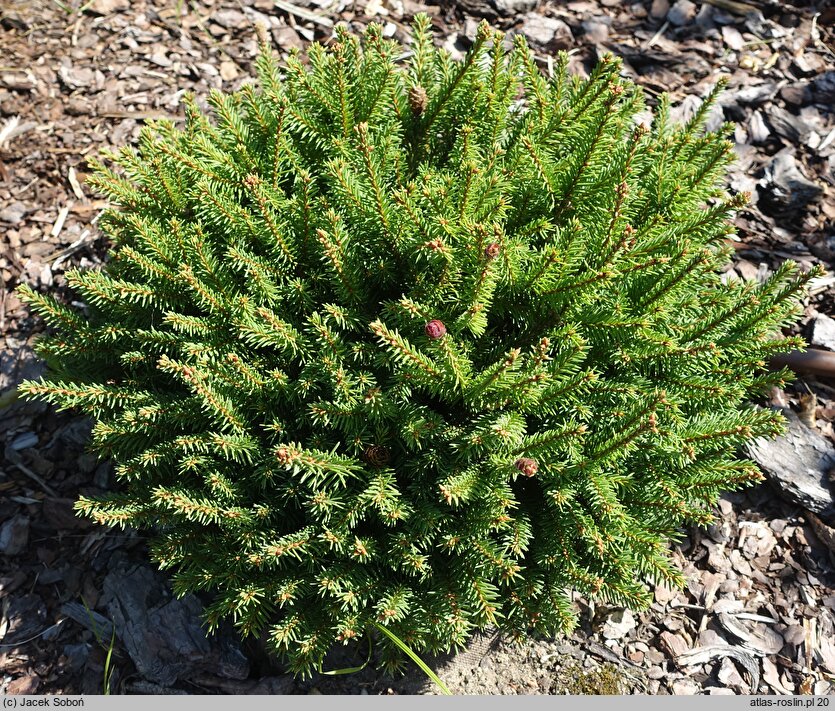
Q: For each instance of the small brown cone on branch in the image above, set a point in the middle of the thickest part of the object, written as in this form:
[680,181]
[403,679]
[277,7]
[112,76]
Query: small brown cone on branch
[377,455]
[492,250]
[418,100]
[527,466]
[435,329]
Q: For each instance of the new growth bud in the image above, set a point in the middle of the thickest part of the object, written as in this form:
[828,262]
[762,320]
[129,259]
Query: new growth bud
[262,33]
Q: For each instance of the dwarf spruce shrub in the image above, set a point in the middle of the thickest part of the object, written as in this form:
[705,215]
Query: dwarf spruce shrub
[397,339]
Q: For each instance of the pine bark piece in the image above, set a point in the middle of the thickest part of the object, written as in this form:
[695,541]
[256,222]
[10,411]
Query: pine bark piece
[793,128]
[730,677]
[703,655]
[24,685]
[25,617]
[797,464]
[824,88]
[269,685]
[165,637]
[90,619]
[674,645]
[755,637]
[824,533]
[787,190]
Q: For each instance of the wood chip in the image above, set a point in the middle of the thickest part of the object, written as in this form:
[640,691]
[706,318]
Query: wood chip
[704,655]
[797,464]
[824,533]
[74,184]
[303,14]
[673,644]
[772,677]
[756,638]
[59,223]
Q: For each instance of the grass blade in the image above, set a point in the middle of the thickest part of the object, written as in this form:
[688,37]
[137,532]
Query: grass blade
[415,658]
[349,670]
[108,671]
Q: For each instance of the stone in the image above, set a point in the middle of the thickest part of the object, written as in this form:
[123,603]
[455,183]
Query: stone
[228,71]
[682,12]
[619,624]
[109,7]
[14,535]
[548,32]
[13,213]
[510,8]
[659,9]
[685,687]
[595,30]
[823,332]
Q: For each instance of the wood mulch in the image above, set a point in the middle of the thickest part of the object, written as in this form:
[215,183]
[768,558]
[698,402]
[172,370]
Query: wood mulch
[758,614]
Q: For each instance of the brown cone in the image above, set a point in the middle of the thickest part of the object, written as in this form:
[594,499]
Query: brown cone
[527,466]
[418,100]
[435,329]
